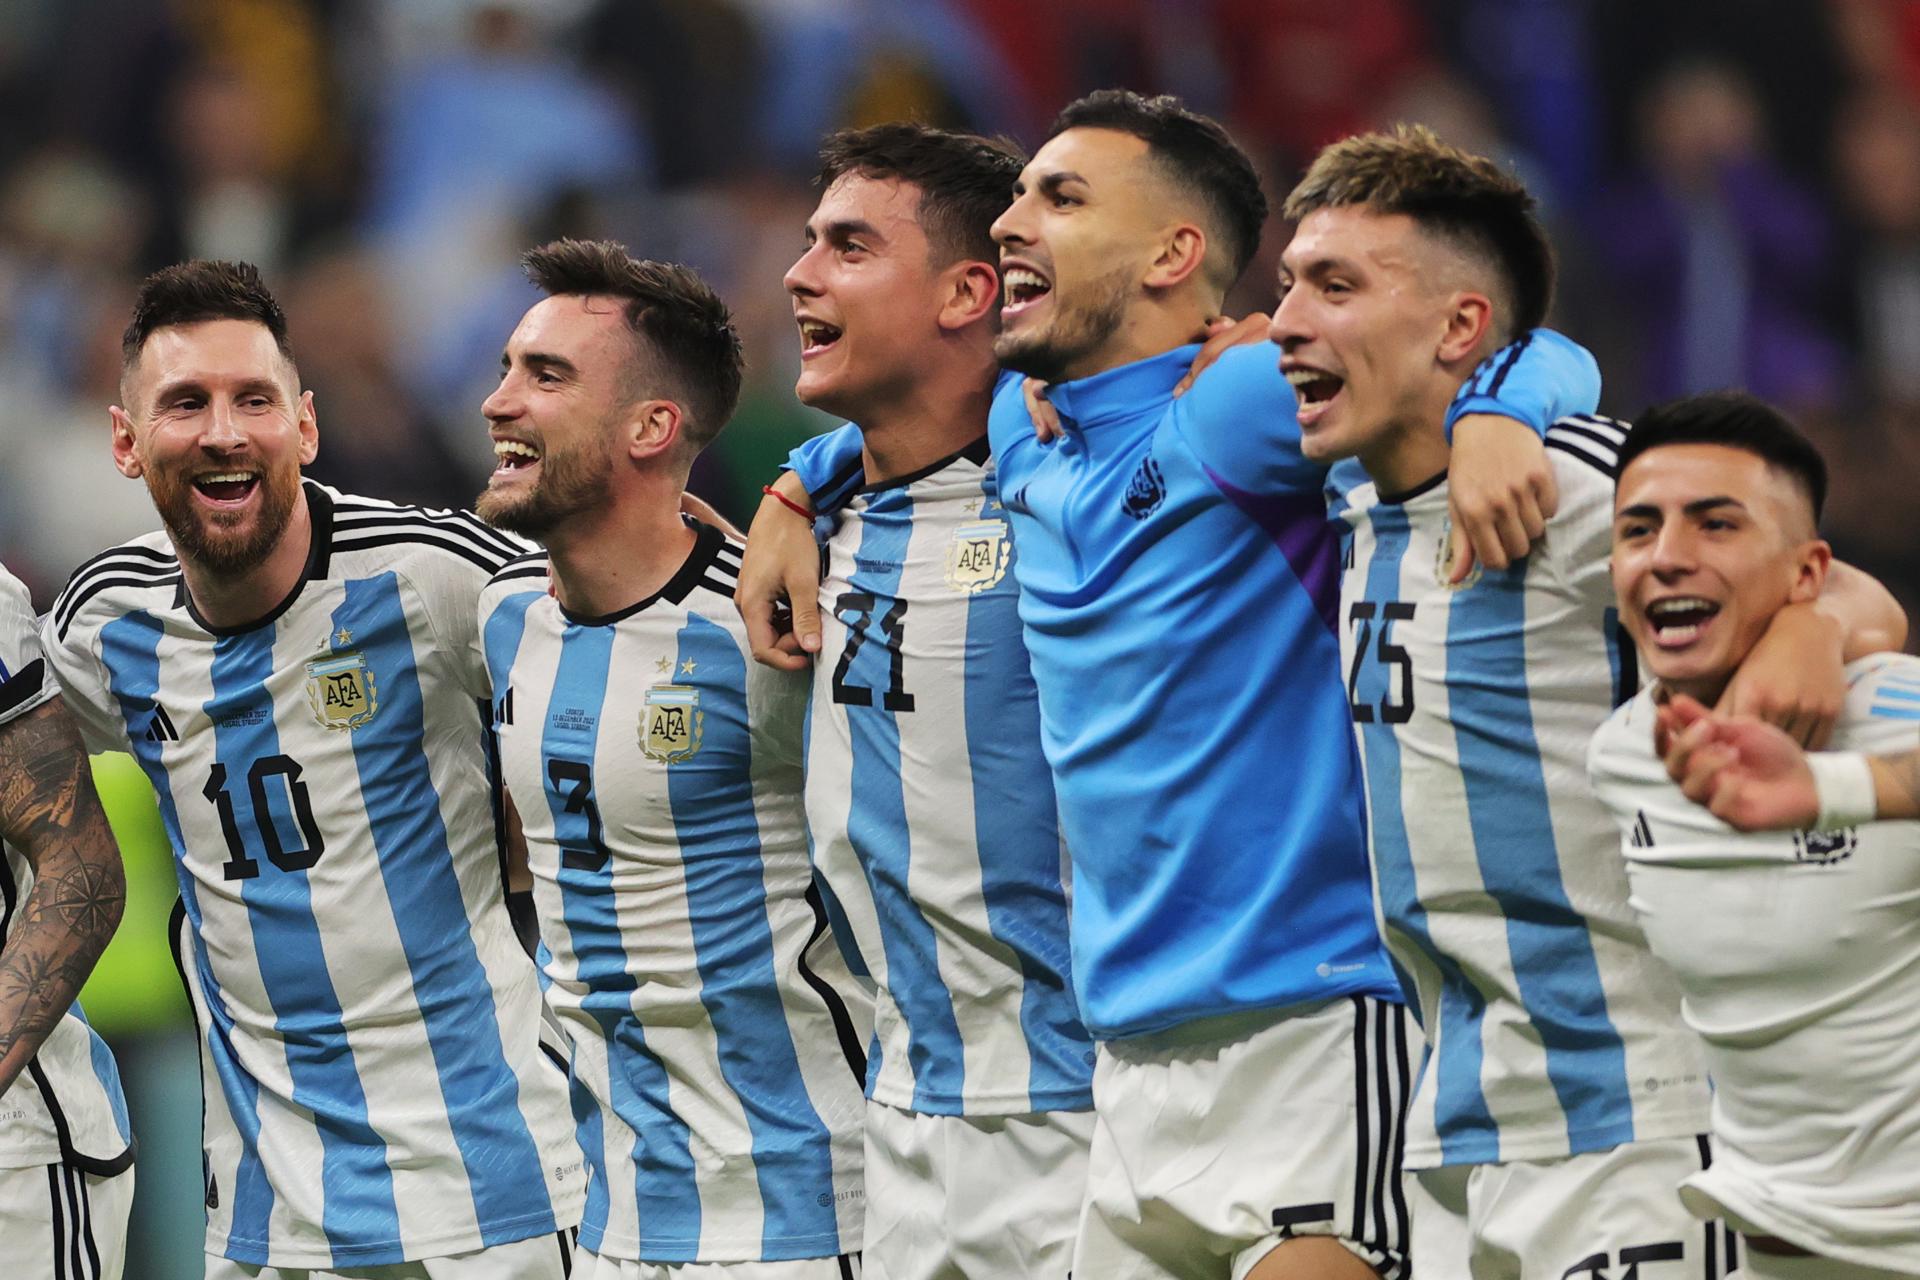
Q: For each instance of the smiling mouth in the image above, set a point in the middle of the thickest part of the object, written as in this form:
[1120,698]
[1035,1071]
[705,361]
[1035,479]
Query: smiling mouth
[1678,620]
[1022,287]
[514,455]
[816,336]
[1314,386]
[227,487]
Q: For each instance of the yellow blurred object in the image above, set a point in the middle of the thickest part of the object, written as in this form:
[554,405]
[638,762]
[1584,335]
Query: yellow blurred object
[135,988]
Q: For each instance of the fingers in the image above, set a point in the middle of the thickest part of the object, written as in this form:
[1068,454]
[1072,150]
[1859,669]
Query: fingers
[1046,419]
[1222,335]
[805,595]
[771,643]
[1498,538]
[1820,733]
[1462,557]
[1546,493]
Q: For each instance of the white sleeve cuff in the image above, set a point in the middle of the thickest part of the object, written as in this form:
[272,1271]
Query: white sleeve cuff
[1843,782]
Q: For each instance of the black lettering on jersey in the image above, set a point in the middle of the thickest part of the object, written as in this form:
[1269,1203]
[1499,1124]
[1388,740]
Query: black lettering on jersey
[1146,491]
[1595,1265]
[573,780]
[1378,647]
[855,609]
[281,771]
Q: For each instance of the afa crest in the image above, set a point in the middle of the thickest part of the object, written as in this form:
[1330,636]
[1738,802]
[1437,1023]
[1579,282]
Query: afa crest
[341,691]
[671,723]
[1443,561]
[977,558]
[1825,847]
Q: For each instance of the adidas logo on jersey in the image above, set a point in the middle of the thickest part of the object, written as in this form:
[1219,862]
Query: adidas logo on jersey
[160,728]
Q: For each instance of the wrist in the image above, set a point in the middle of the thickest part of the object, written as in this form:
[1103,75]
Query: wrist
[798,508]
[1844,789]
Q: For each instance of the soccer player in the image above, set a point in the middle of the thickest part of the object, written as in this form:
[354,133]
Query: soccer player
[1797,952]
[1563,1098]
[1177,571]
[656,772]
[933,815]
[66,1155]
[298,672]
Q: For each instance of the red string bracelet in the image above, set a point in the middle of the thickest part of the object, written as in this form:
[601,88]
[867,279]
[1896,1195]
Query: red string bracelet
[787,502]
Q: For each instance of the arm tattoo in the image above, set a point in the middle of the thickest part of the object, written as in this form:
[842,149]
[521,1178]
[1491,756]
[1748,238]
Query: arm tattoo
[50,812]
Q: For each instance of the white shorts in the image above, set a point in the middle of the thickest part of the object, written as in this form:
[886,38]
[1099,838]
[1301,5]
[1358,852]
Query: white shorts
[1598,1214]
[969,1197]
[591,1266]
[1218,1142]
[61,1224]
[539,1258]
[1769,1266]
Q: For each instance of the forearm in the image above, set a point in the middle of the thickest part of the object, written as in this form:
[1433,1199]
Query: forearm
[51,813]
[1896,785]
[1871,620]
[56,939]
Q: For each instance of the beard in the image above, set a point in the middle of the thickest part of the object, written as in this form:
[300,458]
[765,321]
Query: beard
[570,481]
[1075,332]
[225,542]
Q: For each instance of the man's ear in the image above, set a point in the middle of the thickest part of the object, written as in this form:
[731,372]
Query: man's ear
[1469,330]
[972,294]
[309,424]
[653,428]
[1182,251]
[125,457]
[1811,563]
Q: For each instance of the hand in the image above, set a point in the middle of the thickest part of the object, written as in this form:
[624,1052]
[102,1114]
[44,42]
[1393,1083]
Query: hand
[1222,334]
[700,509]
[778,595]
[1793,678]
[1046,419]
[1502,492]
[1750,775]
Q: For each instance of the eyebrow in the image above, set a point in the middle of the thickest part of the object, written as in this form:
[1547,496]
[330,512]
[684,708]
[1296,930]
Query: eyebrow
[845,228]
[1699,506]
[541,360]
[1050,182]
[183,386]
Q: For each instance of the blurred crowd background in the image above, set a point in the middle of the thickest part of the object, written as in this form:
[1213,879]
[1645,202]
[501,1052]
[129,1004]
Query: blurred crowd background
[1734,187]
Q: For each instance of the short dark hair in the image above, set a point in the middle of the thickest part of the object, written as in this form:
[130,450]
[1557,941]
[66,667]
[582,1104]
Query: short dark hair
[1454,194]
[1195,152]
[965,180]
[1738,421]
[199,290]
[677,315]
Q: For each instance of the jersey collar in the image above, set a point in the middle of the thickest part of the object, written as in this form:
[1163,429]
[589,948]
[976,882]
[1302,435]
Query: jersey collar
[707,542]
[1120,393]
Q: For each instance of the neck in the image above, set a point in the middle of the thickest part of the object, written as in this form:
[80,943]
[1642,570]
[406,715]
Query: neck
[605,560]
[938,417]
[1414,451]
[1148,329]
[234,600]
[1705,690]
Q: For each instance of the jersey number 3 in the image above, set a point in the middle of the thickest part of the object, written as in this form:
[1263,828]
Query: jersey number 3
[1375,645]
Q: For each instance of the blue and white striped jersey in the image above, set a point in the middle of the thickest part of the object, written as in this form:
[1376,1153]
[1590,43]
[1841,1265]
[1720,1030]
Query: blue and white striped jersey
[656,770]
[932,807]
[67,1105]
[1551,1028]
[374,1082]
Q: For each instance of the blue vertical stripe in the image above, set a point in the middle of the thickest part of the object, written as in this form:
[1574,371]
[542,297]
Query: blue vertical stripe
[129,647]
[450,986]
[712,799]
[1467,1129]
[666,1194]
[357,1185]
[877,822]
[1555,970]
[1017,837]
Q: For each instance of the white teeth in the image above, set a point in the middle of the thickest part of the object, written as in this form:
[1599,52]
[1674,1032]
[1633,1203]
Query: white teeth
[504,448]
[1021,278]
[1301,377]
[815,334]
[1678,604]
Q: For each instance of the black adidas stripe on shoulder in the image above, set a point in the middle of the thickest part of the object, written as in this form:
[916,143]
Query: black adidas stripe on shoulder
[719,586]
[1591,438]
[488,561]
[125,566]
[531,565]
[354,515]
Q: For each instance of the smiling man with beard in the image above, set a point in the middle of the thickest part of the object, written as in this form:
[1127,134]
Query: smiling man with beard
[298,671]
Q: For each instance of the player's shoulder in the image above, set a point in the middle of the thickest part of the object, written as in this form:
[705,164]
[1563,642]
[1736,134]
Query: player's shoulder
[1627,733]
[389,534]
[714,572]
[527,573]
[1242,378]
[1883,702]
[118,580]
[1584,448]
